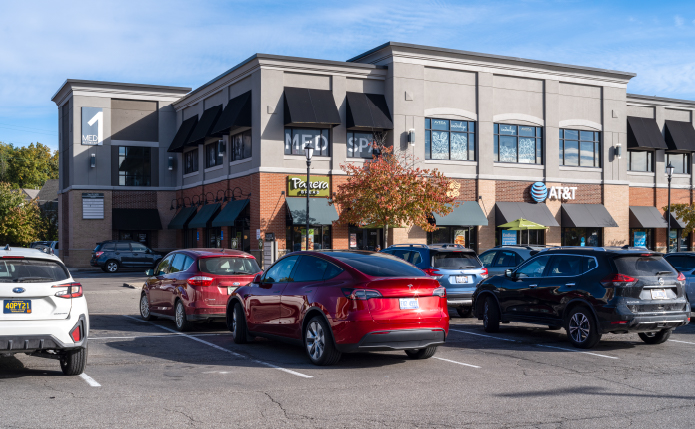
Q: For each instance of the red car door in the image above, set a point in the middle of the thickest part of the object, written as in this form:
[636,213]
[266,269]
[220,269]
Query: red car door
[157,295]
[263,302]
[307,276]
[170,283]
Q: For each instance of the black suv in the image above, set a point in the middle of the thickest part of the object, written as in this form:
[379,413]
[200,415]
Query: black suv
[589,291]
[114,254]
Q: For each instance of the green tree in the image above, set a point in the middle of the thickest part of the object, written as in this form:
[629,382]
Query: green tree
[29,166]
[684,212]
[20,220]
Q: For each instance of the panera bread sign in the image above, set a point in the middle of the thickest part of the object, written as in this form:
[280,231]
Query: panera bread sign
[320,186]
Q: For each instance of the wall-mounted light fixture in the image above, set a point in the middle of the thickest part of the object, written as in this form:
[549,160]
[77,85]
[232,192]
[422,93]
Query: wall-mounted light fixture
[170,163]
[221,145]
[93,160]
[618,150]
[411,137]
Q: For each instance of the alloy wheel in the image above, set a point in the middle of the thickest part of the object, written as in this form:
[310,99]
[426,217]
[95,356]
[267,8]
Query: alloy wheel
[579,327]
[486,310]
[315,340]
[112,267]
[144,307]
[179,315]
[234,325]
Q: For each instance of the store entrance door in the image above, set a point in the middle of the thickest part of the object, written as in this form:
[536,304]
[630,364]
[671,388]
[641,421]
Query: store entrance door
[366,238]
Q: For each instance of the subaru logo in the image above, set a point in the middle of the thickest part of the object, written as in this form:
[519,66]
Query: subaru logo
[539,192]
[661,281]
[18,290]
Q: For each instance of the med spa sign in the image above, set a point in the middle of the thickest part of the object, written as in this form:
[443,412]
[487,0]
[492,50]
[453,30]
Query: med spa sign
[320,186]
[92,126]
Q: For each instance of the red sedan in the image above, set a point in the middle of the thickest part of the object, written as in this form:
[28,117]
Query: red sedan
[335,302]
[193,285]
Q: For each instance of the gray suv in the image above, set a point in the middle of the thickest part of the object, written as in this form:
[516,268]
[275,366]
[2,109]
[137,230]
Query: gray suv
[501,258]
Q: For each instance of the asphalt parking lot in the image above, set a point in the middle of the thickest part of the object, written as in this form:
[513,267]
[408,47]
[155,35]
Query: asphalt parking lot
[145,374]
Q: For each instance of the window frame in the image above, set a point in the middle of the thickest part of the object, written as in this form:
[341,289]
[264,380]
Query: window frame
[317,152]
[352,155]
[650,160]
[145,167]
[216,149]
[686,162]
[195,161]
[471,142]
[538,140]
[581,134]
[234,143]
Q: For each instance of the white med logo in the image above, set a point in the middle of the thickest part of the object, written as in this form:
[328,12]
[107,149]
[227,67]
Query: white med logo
[92,126]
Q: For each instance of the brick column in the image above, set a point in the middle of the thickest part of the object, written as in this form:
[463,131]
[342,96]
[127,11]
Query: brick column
[486,234]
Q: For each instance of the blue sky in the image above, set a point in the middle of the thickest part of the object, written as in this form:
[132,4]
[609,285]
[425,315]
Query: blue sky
[187,43]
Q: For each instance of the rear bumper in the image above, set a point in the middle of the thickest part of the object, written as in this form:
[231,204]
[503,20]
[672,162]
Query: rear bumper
[30,336]
[458,299]
[402,339]
[202,317]
[648,323]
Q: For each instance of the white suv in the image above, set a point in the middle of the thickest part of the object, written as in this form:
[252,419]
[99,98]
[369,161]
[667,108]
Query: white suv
[44,311]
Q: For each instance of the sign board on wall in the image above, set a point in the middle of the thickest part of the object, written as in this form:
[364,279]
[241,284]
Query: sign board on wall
[508,238]
[320,186]
[92,126]
[539,192]
[92,205]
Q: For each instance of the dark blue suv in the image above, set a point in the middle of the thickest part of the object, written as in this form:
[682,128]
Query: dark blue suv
[456,268]
[112,255]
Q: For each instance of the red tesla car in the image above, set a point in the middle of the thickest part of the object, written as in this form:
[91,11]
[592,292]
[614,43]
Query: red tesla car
[193,285]
[335,302]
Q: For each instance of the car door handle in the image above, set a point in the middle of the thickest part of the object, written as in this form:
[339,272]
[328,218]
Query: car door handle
[569,284]
[532,286]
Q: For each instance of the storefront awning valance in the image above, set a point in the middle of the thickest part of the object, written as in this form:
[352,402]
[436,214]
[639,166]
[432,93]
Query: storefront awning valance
[586,216]
[509,211]
[310,108]
[180,221]
[368,112]
[644,133]
[204,127]
[320,213]
[135,219]
[237,115]
[468,213]
[204,216]
[677,223]
[183,134]
[680,136]
[646,217]
[230,212]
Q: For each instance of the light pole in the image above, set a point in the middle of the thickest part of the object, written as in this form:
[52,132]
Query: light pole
[309,152]
[669,172]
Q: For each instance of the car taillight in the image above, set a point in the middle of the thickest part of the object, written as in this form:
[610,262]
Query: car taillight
[200,281]
[433,272]
[97,254]
[76,334]
[681,277]
[484,273]
[361,294]
[618,280]
[440,291]
[74,290]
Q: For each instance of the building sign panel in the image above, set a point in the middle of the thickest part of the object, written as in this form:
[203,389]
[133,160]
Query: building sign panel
[92,126]
[508,238]
[320,186]
[92,205]
[539,192]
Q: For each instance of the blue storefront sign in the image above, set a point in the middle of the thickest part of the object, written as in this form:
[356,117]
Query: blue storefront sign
[197,236]
[640,238]
[508,238]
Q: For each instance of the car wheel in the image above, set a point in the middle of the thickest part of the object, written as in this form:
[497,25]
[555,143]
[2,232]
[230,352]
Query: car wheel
[73,362]
[180,319]
[111,266]
[145,308]
[236,322]
[318,343]
[425,353]
[464,311]
[656,337]
[581,328]
[491,315]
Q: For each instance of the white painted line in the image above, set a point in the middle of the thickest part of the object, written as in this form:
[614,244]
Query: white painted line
[684,342]
[576,351]
[153,336]
[453,361]
[488,336]
[215,346]
[92,382]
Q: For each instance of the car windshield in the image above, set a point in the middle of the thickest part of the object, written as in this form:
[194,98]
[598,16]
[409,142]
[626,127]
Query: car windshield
[31,271]
[226,266]
[455,260]
[380,265]
[640,265]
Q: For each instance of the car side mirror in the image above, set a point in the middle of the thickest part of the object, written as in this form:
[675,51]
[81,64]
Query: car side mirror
[257,279]
[508,273]
[149,272]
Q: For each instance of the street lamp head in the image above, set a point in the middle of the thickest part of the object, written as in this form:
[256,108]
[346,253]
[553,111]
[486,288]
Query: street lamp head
[308,151]
[669,169]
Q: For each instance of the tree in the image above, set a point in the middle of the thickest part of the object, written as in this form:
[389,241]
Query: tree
[27,167]
[20,220]
[684,212]
[390,191]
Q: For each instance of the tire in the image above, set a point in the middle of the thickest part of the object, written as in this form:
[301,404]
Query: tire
[491,315]
[656,337]
[73,362]
[554,328]
[145,308]
[111,266]
[464,311]
[236,322]
[581,328]
[425,353]
[180,321]
[318,343]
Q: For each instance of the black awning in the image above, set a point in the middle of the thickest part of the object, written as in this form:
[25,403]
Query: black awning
[468,213]
[646,217]
[676,222]
[183,134]
[539,213]
[180,221]
[205,125]
[320,213]
[586,216]
[236,115]
[680,136]
[229,213]
[135,219]
[204,216]
[310,107]
[368,111]
[644,133]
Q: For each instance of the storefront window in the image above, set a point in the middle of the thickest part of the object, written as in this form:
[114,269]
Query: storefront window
[463,235]
[189,238]
[190,161]
[134,166]
[139,236]
[360,145]
[678,243]
[297,138]
[241,146]
[445,139]
[679,161]
[518,143]
[319,238]
[580,148]
[642,237]
[214,237]
[592,237]
[213,154]
[365,238]
[640,160]
[521,238]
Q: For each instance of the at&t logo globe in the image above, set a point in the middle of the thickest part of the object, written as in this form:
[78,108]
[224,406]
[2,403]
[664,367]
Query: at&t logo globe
[539,192]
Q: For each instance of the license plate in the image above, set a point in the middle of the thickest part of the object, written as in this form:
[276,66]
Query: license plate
[659,294]
[409,303]
[231,289]
[16,306]
[461,279]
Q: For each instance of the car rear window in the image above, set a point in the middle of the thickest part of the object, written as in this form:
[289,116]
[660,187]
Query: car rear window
[226,266]
[454,260]
[644,266]
[380,265]
[31,271]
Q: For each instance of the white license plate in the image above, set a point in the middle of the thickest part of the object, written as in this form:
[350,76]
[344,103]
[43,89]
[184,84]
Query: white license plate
[231,289]
[461,279]
[409,303]
[659,294]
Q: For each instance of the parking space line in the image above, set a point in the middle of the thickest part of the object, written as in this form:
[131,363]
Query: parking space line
[576,351]
[684,342]
[488,336]
[215,346]
[152,336]
[92,382]
[453,361]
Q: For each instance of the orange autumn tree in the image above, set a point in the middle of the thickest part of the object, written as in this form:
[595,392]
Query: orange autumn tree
[390,191]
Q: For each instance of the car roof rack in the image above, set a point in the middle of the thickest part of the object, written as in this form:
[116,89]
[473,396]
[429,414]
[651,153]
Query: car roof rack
[525,246]
[445,245]
[409,245]
[599,248]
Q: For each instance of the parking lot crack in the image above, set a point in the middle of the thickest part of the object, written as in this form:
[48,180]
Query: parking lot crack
[191,422]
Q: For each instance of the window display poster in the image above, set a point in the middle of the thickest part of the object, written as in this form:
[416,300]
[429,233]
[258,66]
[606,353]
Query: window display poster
[640,238]
[460,237]
[311,239]
[353,240]
[508,238]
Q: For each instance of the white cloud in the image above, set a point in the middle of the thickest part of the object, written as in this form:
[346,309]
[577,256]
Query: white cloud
[679,21]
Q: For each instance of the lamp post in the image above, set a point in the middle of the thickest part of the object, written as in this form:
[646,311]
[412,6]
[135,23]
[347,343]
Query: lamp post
[669,172]
[309,152]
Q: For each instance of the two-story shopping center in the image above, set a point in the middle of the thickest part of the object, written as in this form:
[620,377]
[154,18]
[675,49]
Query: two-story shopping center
[223,165]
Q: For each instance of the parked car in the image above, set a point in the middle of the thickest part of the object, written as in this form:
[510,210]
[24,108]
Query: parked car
[193,285]
[685,263]
[589,291]
[44,311]
[335,302]
[51,244]
[113,255]
[500,258]
[456,268]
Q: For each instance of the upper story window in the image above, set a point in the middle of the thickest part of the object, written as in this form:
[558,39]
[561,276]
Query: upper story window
[447,139]
[640,160]
[518,143]
[214,154]
[190,161]
[580,148]
[134,166]
[360,145]
[241,146]
[679,161]
[297,138]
